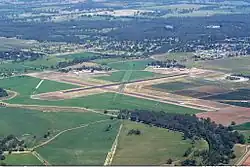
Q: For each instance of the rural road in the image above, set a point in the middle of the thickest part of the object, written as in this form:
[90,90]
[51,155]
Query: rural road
[111,154]
[244,157]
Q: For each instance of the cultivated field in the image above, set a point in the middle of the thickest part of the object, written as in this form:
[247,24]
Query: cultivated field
[230,65]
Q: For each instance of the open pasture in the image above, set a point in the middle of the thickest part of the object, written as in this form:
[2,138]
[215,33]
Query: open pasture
[26,86]
[108,101]
[84,146]
[25,123]
[21,159]
[69,78]
[154,146]
[123,76]
[230,65]
[77,55]
[174,86]
[130,65]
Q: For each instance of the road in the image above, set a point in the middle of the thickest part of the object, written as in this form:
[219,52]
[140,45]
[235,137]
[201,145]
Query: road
[111,154]
[244,156]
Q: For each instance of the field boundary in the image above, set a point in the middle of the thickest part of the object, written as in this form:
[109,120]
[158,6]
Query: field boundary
[40,158]
[111,154]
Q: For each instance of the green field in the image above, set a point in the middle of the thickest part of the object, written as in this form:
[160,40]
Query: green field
[153,147]
[85,146]
[108,60]
[244,126]
[26,124]
[77,55]
[130,65]
[174,86]
[123,76]
[109,101]
[25,87]
[21,159]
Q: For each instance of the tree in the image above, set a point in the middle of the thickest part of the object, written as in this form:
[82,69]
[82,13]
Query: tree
[233,123]
[2,157]
[169,161]
[188,162]
[3,93]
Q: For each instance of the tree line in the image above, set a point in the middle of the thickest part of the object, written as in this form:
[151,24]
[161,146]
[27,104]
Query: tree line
[19,55]
[10,143]
[221,139]
[167,64]
[89,68]
[79,60]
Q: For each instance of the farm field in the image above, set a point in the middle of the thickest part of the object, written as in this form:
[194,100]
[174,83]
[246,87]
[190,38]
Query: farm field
[240,104]
[153,147]
[130,65]
[76,55]
[174,86]
[108,60]
[240,94]
[123,76]
[25,124]
[21,159]
[230,65]
[84,146]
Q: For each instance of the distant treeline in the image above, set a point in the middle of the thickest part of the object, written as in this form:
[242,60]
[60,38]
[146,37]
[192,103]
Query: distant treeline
[167,64]
[221,139]
[89,68]
[78,60]
[18,55]
[188,31]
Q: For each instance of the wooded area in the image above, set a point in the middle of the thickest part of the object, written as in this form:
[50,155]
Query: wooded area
[221,139]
